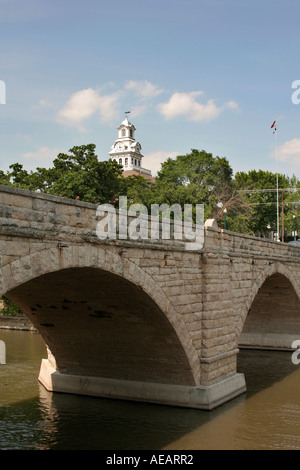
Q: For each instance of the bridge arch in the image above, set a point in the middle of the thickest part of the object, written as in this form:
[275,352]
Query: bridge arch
[155,331]
[271,316]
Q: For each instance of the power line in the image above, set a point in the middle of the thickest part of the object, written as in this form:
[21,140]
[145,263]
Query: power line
[272,202]
[266,190]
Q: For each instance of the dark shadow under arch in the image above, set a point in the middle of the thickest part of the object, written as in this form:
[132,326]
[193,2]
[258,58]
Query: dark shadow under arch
[99,324]
[273,319]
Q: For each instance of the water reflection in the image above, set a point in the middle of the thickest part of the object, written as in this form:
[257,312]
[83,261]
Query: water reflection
[267,416]
[267,419]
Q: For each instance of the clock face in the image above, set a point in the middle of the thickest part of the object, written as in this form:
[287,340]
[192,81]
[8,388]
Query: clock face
[136,147]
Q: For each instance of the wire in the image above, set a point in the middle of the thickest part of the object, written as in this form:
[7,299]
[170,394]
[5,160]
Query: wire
[266,190]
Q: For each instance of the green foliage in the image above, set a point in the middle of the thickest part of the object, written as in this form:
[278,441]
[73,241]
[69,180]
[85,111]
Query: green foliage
[10,309]
[4,178]
[195,178]
[80,175]
[259,191]
[198,167]
[77,175]
[137,189]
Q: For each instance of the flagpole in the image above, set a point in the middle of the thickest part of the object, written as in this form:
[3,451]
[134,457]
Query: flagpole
[277,187]
[277,208]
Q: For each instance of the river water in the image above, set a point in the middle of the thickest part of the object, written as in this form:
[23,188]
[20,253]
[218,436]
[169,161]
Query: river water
[266,417]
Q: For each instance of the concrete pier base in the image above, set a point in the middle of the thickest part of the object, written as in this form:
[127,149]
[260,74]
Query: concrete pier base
[201,397]
[268,341]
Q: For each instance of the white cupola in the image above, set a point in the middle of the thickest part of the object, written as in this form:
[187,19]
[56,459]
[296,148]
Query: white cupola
[127,151]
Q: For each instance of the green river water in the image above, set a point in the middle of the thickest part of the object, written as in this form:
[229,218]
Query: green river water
[266,417]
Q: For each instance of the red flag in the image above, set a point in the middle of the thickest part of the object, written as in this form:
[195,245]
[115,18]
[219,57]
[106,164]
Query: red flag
[273,124]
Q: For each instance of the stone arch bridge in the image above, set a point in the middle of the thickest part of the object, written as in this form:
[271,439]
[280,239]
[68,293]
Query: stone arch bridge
[139,320]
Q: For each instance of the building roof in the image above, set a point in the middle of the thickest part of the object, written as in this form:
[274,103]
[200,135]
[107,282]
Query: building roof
[126,123]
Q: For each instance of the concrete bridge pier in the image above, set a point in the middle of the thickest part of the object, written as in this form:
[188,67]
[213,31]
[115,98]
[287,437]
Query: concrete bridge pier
[205,397]
[133,345]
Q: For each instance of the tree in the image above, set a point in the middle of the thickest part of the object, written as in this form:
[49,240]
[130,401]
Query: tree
[137,189]
[80,175]
[34,181]
[195,178]
[259,191]
[76,175]
[4,178]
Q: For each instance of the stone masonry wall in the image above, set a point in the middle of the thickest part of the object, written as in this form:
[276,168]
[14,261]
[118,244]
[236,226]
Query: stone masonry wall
[205,295]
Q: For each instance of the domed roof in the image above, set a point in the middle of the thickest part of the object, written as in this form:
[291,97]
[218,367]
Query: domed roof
[126,123]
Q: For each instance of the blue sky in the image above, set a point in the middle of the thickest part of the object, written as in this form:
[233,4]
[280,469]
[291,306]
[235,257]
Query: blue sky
[204,74]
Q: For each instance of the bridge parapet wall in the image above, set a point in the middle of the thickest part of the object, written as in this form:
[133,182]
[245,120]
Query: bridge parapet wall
[44,217]
[247,246]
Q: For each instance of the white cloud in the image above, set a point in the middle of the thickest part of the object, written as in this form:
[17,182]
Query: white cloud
[232,105]
[143,88]
[84,103]
[45,103]
[137,110]
[289,154]
[289,150]
[152,161]
[185,104]
[41,157]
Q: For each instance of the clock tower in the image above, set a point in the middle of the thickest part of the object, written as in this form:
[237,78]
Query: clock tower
[127,151]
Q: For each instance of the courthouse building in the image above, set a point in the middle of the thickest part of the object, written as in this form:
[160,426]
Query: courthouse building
[127,152]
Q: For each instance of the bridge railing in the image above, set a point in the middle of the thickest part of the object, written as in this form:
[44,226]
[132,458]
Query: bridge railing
[45,217]
[29,214]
